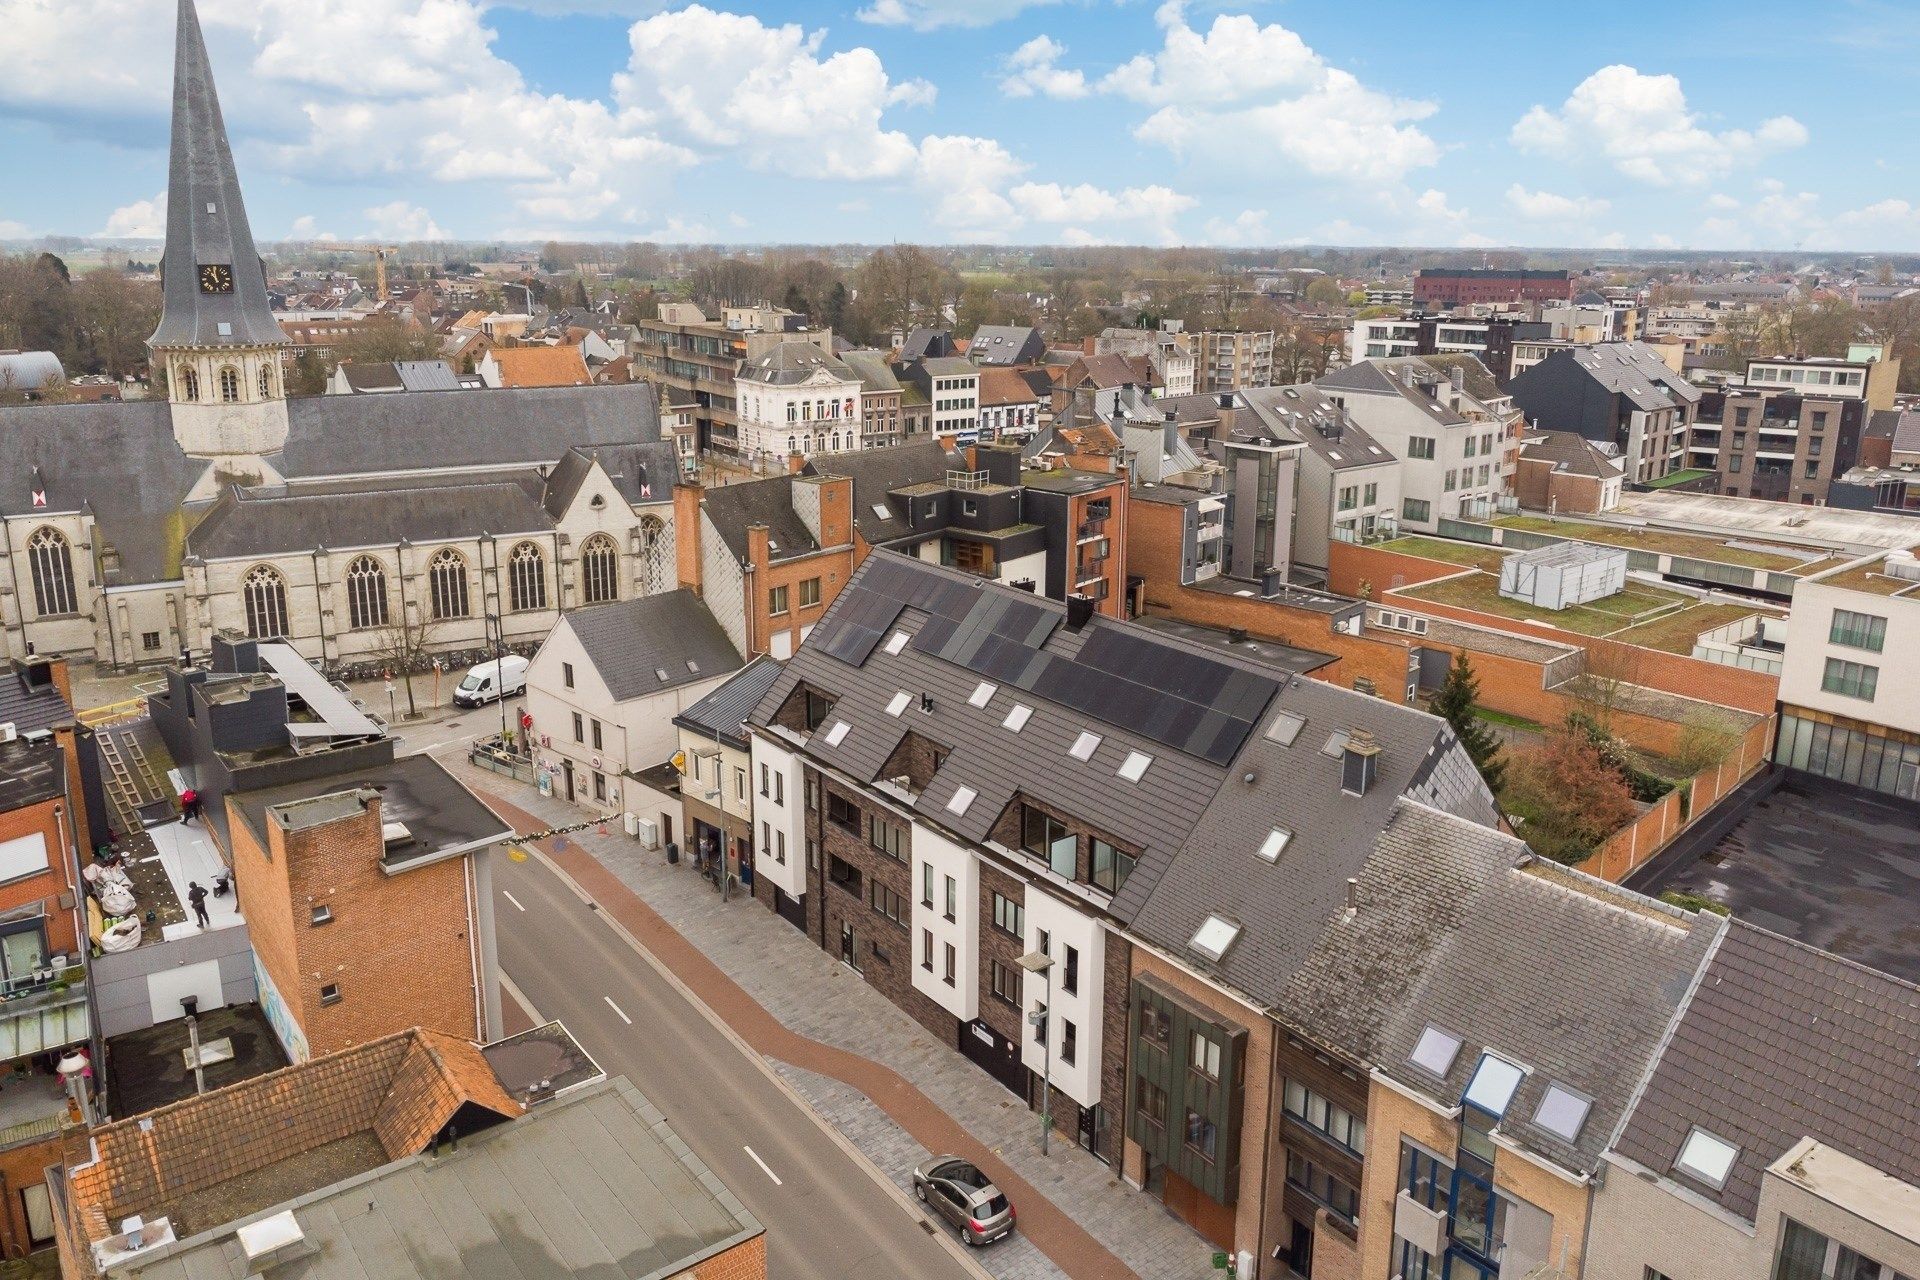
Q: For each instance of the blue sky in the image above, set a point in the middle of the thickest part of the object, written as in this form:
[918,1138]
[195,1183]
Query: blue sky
[1710,124]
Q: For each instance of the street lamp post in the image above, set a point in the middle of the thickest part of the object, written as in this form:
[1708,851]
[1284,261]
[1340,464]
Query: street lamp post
[1041,963]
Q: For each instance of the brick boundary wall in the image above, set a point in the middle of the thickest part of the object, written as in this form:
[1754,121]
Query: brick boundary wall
[1634,845]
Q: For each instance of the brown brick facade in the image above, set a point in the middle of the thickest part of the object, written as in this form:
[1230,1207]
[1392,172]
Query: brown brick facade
[744,1261]
[398,947]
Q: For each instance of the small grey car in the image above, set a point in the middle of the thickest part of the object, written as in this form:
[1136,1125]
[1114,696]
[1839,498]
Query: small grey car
[965,1197]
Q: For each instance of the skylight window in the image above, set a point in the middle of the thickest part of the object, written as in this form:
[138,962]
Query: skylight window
[962,798]
[837,734]
[693,666]
[1285,728]
[982,694]
[1017,718]
[1562,1112]
[1435,1051]
[896,642]
[1706,1157]
[1275,844]
[1214,937]
[1084,746]
[660,673]
[1336,744]
[900,702]
[1493,1084]
[880,509]
[1135,766]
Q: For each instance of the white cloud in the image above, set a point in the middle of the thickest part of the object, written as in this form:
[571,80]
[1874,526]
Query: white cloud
[1033,69]
[1249,228]
[930,15]
[1642,126]
[964,178]
[11,230]
[398,220]
[1242,85]
[1432,206]
[141,220]
[1545,206]
[306,228]
[1153,208]
[728,82]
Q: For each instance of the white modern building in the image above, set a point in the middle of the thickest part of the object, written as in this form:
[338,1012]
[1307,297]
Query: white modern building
[797,399]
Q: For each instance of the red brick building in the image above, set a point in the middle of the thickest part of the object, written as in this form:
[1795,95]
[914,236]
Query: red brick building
[1464,286]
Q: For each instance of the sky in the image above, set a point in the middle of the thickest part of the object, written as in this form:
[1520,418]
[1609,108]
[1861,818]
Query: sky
[1711,124]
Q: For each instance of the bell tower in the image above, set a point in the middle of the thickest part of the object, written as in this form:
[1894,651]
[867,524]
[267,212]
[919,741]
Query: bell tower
[218,344]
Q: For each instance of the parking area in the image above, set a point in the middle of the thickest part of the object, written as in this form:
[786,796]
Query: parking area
[1819,861]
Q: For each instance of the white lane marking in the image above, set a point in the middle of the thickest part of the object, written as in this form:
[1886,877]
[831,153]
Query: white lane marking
[617,1009]
[510,898]
[512,988]
[763,1166]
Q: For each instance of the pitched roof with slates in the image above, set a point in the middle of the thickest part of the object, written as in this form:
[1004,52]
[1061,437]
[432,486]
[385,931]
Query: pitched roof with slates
[631,642]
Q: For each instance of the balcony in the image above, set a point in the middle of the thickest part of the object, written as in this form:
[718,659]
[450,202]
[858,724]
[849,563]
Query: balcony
[1092,528]
[1210,530]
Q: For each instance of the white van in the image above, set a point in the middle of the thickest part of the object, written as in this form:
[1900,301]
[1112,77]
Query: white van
[492,681]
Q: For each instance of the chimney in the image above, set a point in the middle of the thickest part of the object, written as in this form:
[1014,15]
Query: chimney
[1359,760]
[1406,374]
[1458,376]
[1079,611]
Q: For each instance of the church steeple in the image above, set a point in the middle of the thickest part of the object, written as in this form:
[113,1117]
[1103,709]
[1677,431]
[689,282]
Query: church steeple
[215,295]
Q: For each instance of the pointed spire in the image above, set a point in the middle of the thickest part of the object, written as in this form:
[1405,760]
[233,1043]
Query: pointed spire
[215,294]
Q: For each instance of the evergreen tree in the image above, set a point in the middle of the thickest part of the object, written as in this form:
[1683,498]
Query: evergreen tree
[1455,703]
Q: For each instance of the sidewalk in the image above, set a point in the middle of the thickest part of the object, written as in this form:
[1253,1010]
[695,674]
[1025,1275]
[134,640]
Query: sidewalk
[827,1030]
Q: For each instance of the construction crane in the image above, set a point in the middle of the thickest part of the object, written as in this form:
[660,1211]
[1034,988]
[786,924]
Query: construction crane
[380,253]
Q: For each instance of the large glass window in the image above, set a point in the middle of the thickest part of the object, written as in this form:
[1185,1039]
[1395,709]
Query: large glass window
[1045,836]
[526,578]
[1806,1254]
[1335,1193]
[447,584]
[265,594]
[1009,916]
[50,560]
[1858,630]
[599,570]
[366,593]
[1111,867]
[1850,679]
[1325,1117]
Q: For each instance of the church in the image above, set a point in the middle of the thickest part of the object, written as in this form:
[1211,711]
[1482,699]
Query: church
[365,530]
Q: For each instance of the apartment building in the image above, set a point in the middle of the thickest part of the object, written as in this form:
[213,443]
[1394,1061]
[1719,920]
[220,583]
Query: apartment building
[1349,488]
[681,350]
[1849,706]
[1170,351]
[1032,829]
[716,789]
[796,400]
[1622,394]
[1491,339]
[1228,361]
[1440,287]
[1789,427]
[1011,402]
[1006,345]
[1457,451]
[951,385]
[882,424]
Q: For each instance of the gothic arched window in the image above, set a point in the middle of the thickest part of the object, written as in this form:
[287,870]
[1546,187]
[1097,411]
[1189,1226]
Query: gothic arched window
[366,593]
[50,557]
[266,600]
[266,382]
[447,583]
[189,383]
[229,385]
[526,578]
[599,569]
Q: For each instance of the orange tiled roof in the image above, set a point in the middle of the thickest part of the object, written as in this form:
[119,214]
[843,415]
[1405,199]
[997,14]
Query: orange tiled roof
[402,1089]
[541,367]
[1001,385]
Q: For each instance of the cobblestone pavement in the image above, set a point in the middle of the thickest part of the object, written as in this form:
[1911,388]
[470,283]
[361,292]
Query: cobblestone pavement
[813,996]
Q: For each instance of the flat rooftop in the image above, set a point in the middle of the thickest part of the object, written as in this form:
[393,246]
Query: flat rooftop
[415,791]
[1871,577]
[1675,542]
[1831,865]
[1789,522]
[595,1184]
[148,1069]
[1272,653]
[29,774]
[1067,480]
[540,1062]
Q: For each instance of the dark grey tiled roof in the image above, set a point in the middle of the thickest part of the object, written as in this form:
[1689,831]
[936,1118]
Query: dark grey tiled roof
[27,707]
[1304,413]
[922,341]
[1458,927]
[364,435]
[120,459]
[1634,370]
[878,472]
[1005,344]
[206,221]
[727,707]
[733,508]
[1387,377]
[871,367]
[261,522]
[1478,380]
[793,362]
[632,641]
[564,481]
[1780,1042]
[1573,454]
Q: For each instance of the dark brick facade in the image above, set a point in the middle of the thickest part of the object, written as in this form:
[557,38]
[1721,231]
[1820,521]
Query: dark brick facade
[1340,1083]
[1115,1037]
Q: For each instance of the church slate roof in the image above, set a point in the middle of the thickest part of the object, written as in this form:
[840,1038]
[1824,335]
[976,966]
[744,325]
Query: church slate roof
[364,435]
[206,221]
[119,459]
[274,521]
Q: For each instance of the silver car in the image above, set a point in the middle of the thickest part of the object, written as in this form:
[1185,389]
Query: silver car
[965,1197]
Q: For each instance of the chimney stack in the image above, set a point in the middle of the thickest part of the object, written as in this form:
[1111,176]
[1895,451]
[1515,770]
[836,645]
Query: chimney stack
[1079,611]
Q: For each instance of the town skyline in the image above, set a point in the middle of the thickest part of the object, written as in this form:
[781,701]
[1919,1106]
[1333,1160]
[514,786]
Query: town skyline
[1042,124]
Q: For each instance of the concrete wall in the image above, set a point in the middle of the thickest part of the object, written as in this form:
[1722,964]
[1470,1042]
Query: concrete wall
[125,984]
[1896,701]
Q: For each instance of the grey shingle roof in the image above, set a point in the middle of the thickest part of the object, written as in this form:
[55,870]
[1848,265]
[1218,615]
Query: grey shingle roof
[793,362]
[362,435]
[1782,1041]
[1005,344]
[632,641]
[262,522]
[732,508]
[923,342]
[1572,454]
[1634,370]
[206,221]
[1387,377]
[871,367]
[564,481]
[878,472]
[1304,413]
[27,707]
[1458,927]
[728,706]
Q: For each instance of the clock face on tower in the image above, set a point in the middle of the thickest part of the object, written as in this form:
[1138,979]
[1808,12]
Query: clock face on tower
[216,277]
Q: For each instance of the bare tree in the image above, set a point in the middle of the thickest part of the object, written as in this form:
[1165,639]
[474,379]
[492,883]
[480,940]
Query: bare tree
[402,646]
[1606,684]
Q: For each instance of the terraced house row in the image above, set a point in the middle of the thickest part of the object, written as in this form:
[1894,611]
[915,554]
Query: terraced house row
[1265,946]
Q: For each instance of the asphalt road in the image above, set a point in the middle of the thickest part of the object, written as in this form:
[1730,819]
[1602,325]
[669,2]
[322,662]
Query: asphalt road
[825,1215]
